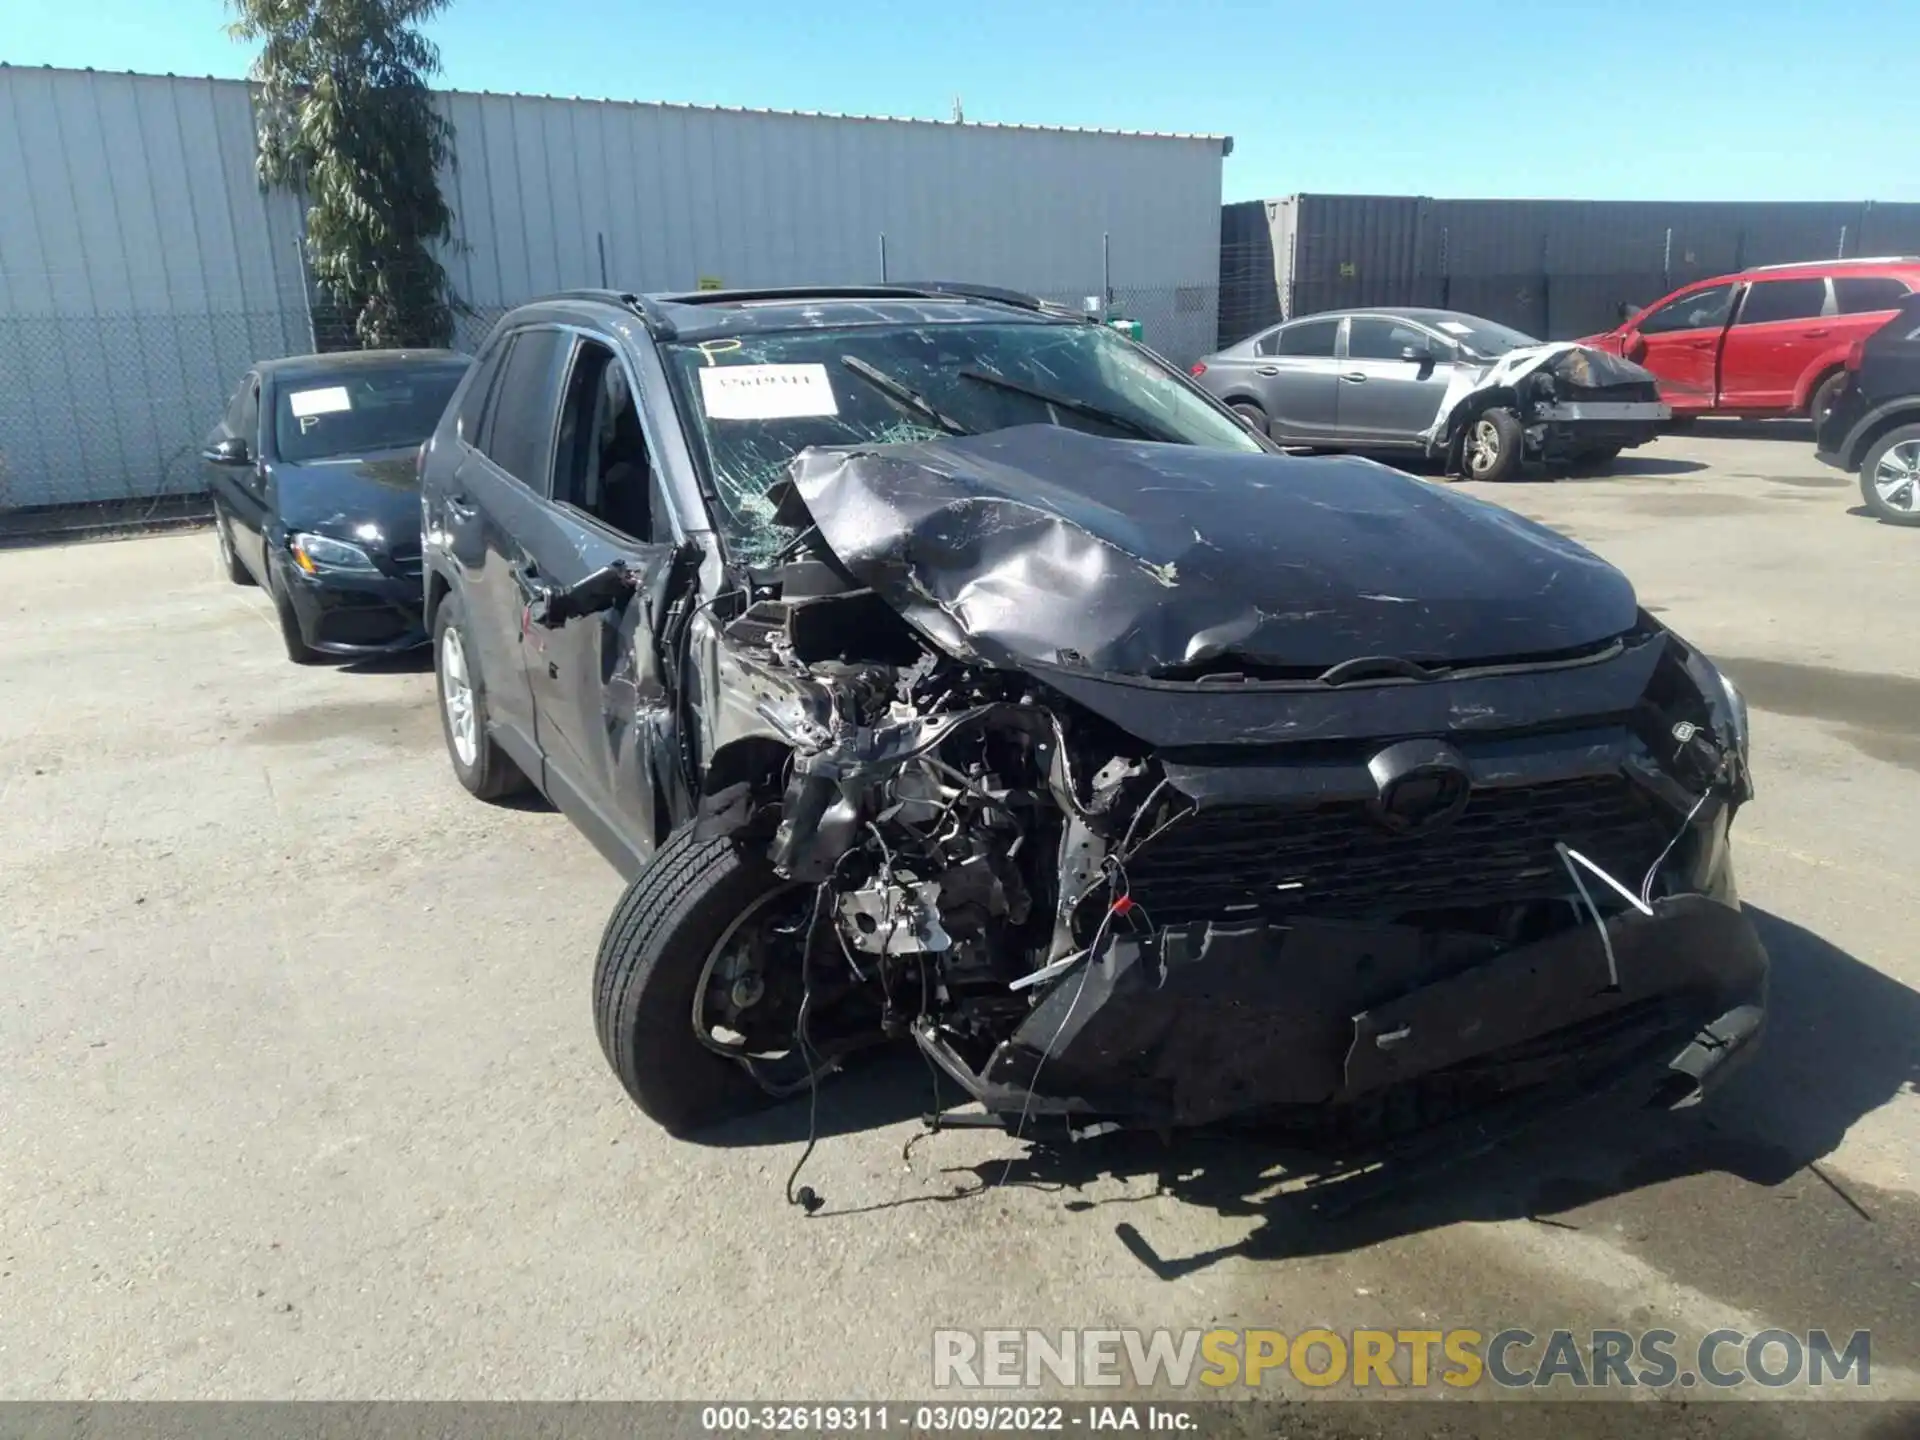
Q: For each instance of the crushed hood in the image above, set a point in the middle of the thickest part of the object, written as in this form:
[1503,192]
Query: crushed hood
[1046,545]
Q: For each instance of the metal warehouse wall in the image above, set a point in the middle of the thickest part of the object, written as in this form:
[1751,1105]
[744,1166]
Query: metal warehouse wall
[1555,268]
[142,268]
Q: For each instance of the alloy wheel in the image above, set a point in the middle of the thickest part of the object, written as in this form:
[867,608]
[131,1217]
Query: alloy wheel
[1896,479]
[456,693]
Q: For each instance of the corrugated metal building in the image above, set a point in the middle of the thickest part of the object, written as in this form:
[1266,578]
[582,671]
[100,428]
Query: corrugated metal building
[142,268]
[1555,268]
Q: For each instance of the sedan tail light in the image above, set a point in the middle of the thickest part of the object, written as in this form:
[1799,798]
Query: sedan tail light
[1856,352]
[1199,368]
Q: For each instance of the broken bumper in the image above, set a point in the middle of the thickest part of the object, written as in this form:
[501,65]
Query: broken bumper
[1214,1023]
[1569,428]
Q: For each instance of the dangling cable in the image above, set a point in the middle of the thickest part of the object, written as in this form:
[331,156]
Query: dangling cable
[807,1198]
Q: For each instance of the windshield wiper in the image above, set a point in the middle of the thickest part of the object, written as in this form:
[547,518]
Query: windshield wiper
[1077,407]
[907,398]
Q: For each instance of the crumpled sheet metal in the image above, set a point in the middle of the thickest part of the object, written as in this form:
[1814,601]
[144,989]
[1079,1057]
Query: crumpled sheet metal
[1045,546]
[1582,365]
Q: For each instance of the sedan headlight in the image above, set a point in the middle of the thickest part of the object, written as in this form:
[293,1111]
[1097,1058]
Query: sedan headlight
[317,553]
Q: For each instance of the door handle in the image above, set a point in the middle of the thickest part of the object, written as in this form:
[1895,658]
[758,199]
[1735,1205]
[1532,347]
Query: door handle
[526,579]
[1819,334]
[1267,370]
[459,507]
[1354,379]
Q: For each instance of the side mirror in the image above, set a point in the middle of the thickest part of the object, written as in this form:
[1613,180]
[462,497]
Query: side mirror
[1636,347]
[1421,355]
[230,451]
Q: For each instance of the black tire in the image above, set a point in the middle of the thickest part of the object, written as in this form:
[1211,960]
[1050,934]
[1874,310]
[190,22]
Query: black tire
[1881,506]
[229,562]
[489,774]
[651,960]
[1254,416]
[1507,442]
[1820,403]
[298,651]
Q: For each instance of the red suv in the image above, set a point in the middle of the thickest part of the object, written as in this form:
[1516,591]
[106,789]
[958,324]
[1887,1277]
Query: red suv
[1773,340]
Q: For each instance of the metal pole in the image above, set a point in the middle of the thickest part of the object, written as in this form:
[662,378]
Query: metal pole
[600,239]
[1666,263]
[306,291]
[883,257]
[1843,244]
[1106,267]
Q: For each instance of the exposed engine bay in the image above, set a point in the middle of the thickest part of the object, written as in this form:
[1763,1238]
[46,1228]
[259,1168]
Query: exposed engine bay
[1147,785]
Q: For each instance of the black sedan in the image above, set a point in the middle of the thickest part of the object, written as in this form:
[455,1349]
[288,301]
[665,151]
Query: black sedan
[316,497]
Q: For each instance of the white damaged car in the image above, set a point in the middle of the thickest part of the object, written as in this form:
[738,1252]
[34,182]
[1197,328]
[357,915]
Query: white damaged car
[1480,396]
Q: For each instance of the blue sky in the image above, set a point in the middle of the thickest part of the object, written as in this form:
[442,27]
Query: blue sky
[1631,99]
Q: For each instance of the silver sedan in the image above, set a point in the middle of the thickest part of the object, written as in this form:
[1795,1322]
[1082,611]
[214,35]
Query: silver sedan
[1406,380]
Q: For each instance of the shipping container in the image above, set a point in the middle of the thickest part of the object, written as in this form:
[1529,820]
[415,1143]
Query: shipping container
[143,268]
[1554,268]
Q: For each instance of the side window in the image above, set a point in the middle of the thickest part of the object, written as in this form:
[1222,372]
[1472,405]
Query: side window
[601,465]
[1308,337]
[1696,310]
[243,412]
[473,403]
[518,429]
[1865,294]
[1267,344]
[1771,300]
[1371,337]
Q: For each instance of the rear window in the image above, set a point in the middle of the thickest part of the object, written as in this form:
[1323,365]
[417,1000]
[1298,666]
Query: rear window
[1864,294]
[361,410]
[1311,337]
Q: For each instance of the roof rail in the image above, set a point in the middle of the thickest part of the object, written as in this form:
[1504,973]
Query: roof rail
[651,315]
[1844,260]
[967,291]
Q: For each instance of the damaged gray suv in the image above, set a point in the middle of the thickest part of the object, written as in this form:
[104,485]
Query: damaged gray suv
[942,667]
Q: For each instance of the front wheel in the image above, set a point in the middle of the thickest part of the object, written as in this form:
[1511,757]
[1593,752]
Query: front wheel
[707,942]
[1494,446]
[229,561]
[1890,476]
[479,763]
[298,651]
[1255,417]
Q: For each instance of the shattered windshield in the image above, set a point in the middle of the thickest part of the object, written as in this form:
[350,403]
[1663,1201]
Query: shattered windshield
[1484,337]
[758,400]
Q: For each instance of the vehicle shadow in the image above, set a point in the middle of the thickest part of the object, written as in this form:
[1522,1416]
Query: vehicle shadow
[1843,1039]
[1800,432]
[417,661]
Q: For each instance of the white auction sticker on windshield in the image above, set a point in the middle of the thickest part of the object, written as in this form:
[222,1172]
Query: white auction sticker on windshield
[319,402]
[1454,327]
[766,392]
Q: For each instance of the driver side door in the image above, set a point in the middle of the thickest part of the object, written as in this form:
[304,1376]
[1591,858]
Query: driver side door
[1385,398]
[1683,338]
[601,700]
